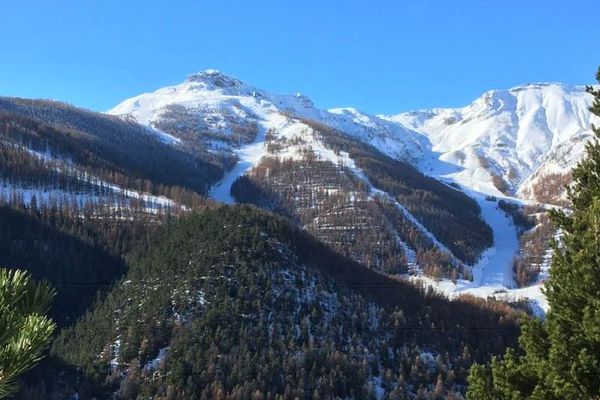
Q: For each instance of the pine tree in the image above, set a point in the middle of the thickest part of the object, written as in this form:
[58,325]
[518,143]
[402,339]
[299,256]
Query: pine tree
[24,328]
[560,357]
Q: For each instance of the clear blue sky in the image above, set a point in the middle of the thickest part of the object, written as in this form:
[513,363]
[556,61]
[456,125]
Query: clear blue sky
[380,56]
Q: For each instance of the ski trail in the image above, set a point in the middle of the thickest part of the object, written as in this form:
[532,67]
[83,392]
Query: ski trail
[249,156]
[493,273]
[495,265]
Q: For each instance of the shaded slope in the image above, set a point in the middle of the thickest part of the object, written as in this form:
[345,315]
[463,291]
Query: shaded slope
[240,301]
[106,148]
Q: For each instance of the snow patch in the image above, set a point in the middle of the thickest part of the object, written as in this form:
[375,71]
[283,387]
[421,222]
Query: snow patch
[155,363]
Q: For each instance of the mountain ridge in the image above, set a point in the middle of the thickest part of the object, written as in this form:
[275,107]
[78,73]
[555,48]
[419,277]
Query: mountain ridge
[514,136]
[512,158]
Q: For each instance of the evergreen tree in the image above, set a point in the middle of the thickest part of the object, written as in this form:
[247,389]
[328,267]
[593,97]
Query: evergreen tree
[24,328]
[560,357]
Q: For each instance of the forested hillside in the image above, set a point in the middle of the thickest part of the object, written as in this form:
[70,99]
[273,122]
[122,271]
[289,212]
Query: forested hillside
[368,198]
[59,153]
[302,292]
[80,257]
[235,303]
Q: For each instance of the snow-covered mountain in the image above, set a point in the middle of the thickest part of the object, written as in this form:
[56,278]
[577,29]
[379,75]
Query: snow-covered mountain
[218,106]
[519,141]
[226,116]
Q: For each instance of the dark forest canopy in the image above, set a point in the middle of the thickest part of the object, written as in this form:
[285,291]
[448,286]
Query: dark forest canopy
[232,296]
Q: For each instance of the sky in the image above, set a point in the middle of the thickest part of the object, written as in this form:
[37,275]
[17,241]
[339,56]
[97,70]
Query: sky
[376,55]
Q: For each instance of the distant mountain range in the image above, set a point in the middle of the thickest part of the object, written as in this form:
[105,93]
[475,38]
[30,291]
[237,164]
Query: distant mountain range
[506,140]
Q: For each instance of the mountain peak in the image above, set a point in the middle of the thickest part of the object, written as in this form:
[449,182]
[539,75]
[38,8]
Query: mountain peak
[215,78]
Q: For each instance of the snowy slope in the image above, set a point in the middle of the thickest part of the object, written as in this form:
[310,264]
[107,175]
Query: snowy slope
[97,192]
[508,139]
[216,106]
[493,275]
[218,102]
[503,144]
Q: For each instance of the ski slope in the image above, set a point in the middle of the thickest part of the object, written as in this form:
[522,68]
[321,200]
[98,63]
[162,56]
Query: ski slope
[248,157]
[495,266]
[493,273]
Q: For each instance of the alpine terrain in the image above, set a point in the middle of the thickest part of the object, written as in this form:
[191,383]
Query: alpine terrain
[354,179]
[213,240]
